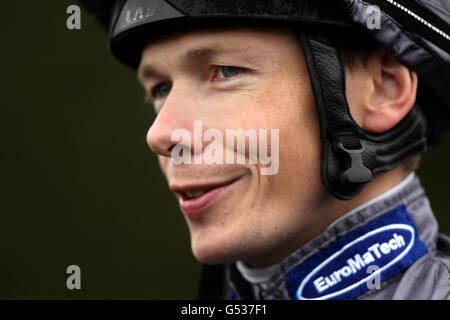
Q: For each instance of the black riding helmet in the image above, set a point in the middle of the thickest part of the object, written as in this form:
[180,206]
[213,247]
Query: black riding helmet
[416,32]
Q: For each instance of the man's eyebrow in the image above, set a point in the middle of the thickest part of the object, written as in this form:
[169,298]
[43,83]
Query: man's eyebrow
[200,53]
[207,51]
[146,72]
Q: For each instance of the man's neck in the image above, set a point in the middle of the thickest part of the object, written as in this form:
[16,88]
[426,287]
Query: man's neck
[335,209]
[381,183]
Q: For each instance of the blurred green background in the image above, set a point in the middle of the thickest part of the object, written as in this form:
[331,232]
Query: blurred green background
[79,185]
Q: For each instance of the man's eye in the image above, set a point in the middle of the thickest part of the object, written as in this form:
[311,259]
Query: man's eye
[229,72]
[161,90]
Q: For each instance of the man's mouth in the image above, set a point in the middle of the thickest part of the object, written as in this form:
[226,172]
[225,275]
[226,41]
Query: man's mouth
[195,193]
[193,199]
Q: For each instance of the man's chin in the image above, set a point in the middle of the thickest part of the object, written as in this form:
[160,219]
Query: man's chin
[212,258]
[211,255]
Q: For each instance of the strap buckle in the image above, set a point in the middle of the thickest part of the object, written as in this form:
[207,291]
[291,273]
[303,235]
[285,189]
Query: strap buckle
[357,173]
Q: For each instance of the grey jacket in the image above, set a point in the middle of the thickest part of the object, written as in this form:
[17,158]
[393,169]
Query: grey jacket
[388,248]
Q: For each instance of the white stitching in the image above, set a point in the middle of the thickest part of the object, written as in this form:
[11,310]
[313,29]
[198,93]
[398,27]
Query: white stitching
[418,18]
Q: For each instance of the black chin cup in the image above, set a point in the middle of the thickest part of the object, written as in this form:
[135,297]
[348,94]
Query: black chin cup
[350,155]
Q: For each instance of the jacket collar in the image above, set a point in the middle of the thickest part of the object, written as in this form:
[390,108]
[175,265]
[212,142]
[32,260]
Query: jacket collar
[365,219]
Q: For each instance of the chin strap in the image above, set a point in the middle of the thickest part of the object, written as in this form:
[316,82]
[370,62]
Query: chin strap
[350,155]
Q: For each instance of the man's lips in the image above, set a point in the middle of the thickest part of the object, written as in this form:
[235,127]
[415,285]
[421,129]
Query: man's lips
[193,207]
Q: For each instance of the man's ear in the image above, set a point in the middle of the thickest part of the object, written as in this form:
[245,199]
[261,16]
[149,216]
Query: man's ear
[380,92]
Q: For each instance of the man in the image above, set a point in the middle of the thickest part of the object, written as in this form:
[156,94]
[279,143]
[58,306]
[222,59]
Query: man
[341,215]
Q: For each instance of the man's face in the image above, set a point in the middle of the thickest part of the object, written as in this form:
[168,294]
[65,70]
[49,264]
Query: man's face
[238,78]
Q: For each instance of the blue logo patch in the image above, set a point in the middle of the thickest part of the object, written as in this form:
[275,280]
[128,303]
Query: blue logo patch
[388,245]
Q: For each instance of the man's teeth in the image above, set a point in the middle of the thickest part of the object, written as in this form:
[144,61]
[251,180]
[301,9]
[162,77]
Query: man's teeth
[195,193]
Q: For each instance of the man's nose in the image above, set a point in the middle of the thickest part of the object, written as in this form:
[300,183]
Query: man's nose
[175,114]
